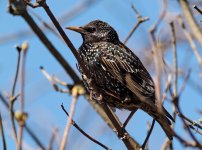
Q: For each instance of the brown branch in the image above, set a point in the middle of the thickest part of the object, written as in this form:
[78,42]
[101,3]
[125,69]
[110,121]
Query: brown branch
[188,129]
[67,16]
[175,92]
[161,17]
[193,123]
[12,100]
[175,59]
[187,76]
[50,145]
[83,132]
[45,41]
[190,40]
[198,9]
[29,131]
[155,51]
[140,20]
[195,29]
[69,123]
[128,118]
[53,80]
[22,92]
[2,133]
[148,134]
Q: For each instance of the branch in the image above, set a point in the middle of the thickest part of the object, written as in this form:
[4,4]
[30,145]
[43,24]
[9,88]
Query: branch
[50,145]
[12,99]
[29,131]
[22,92]
[2,133]
[190,40]
[195,29]
[140,20]
[148,134]
[83,132]
[69,122]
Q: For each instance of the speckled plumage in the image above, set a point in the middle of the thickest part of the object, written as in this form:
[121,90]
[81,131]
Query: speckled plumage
[120,77]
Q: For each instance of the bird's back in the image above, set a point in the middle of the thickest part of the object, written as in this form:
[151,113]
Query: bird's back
[93,55]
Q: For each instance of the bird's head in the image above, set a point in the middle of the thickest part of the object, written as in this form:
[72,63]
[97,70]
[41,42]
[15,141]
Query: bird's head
[97,31]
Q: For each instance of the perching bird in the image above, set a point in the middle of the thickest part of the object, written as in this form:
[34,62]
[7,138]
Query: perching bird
[118,74]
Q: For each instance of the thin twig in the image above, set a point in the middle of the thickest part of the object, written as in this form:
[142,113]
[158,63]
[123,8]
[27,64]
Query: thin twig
[69,123]
[46,25]
[190,20]
[198,9]
[175,59]
[51,47]
[2,133]
[148,134]
[193,123]
[140,20]
[50,145]
[187,76]
[188,129]
[156,52]
[161,17]
[29,130]
[53,80]
[22,92]
[128,119]
[190,40]
[69,15]
[83,132]
[11,101]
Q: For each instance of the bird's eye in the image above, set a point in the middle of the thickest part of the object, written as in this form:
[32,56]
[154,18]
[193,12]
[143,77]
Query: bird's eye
[90,29]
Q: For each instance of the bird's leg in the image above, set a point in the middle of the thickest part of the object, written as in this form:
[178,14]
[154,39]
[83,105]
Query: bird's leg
[129,117]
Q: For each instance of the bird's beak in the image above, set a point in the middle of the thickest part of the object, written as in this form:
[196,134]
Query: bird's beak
[77,29]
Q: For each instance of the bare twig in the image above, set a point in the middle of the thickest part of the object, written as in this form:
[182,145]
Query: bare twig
[190,40]
[29,130]
[46,25]
[156,52]
[175,62]
[184,82]
[67,16]
[20,5]
[69,123]
[175,97]
[195,29]
[193,123]
[128,119]
[140,20]
[2,133]
[22,92]
[50,145]
[53,80]
[188,129]
[161,17]
[11,100]
[198,9]
[83,132]
[148,134]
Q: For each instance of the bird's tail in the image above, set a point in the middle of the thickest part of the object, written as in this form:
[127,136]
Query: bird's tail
[165,125]
[162,118]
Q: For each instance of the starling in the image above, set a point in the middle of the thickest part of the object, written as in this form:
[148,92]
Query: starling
[118,74]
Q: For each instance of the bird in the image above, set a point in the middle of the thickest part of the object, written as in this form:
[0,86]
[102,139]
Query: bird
[120,77]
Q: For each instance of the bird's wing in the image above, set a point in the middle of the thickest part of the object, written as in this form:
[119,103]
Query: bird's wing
[128,69]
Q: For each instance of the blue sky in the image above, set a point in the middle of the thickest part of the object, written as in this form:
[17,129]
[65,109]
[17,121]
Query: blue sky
[43,104]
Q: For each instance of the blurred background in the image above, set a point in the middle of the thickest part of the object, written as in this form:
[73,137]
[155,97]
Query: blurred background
[42,102]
